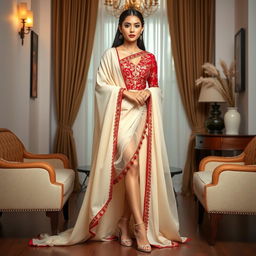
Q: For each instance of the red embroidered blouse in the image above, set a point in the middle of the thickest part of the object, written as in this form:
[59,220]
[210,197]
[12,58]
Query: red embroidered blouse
[136,75]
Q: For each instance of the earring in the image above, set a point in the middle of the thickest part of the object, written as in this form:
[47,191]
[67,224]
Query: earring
[141,37]
[120,36]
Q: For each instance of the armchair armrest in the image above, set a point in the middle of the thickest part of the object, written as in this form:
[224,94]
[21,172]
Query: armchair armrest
[62,160]
[211,162]
[230,167]
[29,186]
[21,165]
[232,189]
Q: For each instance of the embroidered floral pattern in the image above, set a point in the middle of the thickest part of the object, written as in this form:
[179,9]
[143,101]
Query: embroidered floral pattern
[136,75]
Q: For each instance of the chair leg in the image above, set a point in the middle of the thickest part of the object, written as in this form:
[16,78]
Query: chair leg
[65,210]
[200,213]
[54,216]
[214,222]
[1,214]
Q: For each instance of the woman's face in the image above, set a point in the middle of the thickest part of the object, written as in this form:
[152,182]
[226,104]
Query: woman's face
[131,28]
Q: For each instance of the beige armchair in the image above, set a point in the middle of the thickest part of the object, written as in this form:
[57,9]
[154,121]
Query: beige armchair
[226,185]
[33,182]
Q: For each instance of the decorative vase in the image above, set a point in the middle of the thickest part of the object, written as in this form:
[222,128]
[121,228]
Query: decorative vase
[232,121]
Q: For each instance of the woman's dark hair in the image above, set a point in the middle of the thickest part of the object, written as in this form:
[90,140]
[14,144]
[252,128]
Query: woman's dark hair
[120,39]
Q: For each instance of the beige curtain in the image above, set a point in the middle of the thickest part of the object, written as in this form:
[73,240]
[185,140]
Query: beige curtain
[74,23]
[192,28]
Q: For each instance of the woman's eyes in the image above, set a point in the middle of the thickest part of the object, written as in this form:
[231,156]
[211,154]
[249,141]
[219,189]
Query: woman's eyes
[128,25]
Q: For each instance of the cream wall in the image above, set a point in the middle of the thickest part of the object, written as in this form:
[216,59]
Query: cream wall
[28,118]
[231,15]
[224,34]
[14,74]
[224,30]
[245,18]
[40,108]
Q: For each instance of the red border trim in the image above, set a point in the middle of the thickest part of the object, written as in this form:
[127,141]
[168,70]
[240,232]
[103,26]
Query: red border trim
[94,222]
[134,55]
[173,244]
[148,166]
[167,246]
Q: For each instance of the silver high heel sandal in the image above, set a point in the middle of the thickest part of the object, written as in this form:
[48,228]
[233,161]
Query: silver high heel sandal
[144,247]
[125,242]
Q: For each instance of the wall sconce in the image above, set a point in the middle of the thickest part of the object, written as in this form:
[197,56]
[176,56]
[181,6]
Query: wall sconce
[26,17]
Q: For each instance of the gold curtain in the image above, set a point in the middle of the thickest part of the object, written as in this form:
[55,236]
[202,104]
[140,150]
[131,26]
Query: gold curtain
[74,23]
[192,28]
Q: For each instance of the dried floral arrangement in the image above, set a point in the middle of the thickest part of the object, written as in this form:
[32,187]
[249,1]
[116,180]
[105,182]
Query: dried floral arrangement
[225,85]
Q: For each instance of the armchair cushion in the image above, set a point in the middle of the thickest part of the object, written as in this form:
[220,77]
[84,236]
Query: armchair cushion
[66,177]
[205,176]
[200,180]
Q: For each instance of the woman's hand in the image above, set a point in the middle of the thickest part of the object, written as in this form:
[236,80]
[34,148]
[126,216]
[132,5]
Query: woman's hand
[131,96]
[144,94]
[138,97]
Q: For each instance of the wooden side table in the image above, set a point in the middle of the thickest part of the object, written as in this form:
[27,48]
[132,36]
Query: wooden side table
[175,170]
[86,170]
[220,145]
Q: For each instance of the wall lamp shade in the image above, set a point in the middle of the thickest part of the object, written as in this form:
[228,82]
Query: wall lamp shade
[22,10]
[26,17]
[210,94]
[29,19]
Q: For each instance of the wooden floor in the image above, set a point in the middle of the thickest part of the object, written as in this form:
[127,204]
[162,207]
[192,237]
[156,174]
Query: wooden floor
[236,235]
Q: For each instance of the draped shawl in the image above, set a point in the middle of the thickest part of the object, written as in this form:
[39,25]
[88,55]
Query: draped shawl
[103,203]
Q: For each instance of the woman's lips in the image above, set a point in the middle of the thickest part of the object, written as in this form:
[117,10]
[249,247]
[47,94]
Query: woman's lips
[131,36]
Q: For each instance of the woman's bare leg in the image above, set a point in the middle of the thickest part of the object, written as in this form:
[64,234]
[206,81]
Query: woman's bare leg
[132,188]
[133,206]
[123,223]
[127,210]
[132,193]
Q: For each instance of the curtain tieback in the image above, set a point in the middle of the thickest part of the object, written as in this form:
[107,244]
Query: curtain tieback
[65,127]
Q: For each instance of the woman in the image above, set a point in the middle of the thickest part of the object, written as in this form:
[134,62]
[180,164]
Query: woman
[130,180]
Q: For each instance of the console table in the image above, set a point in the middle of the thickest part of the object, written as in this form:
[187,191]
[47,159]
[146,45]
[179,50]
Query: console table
[220,145]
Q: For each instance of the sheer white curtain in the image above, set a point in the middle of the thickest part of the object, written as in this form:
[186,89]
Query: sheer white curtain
[157,41]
